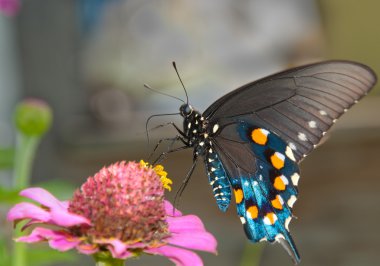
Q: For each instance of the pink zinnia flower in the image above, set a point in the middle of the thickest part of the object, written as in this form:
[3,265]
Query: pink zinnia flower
[9,7]
[120,210]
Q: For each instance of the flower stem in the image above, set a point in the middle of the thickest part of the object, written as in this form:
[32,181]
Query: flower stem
[25,150]
[105,259]
[252,254]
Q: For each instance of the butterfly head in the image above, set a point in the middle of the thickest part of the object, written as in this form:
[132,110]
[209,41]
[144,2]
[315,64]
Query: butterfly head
[186,110]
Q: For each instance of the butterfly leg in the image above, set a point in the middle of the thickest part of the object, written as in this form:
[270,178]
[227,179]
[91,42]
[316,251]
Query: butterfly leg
[163,155]
[186,180]
[173,140]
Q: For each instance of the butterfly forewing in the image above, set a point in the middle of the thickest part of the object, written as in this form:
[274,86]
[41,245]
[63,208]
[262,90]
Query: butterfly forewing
[298,104]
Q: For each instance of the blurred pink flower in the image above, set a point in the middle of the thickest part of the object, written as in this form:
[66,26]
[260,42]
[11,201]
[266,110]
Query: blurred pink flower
[9,7]
[120,209]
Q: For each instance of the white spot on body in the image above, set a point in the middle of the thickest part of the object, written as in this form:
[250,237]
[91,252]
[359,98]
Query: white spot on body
[242,220]
[202,118]
[213,170]
[295,178]
[215,128]
[322,112]
[302,136]
[291,201]
[246,183]
[255,183]
[210,160]
[189,125]
[261,177]
[196,122]
[194,131]
[210,150]
[201,143]
[312,124]
[290,154]
[205,135]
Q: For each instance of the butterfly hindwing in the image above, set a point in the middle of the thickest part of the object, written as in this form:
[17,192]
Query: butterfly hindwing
[265,193]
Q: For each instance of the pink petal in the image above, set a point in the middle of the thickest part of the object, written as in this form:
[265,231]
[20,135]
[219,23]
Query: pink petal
[42,196]
[64,218]
[27,210]
[59,240]
[188,223]
[87,249]
[118,248]
[170,210]
[181,257]
[194,240]
[57,216]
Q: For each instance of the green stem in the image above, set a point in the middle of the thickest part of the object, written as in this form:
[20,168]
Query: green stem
[252,254]
[25,150]
[105,259]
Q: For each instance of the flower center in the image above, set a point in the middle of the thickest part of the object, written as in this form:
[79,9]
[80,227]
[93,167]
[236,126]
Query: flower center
[123,201]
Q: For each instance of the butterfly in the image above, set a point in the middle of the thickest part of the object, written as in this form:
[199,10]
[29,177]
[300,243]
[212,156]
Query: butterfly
[253,139]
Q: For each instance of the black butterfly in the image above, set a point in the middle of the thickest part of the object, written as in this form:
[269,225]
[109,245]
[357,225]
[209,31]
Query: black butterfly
[253,138]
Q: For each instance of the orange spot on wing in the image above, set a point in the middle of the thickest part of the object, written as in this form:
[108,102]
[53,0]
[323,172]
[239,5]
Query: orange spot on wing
[279,184]
[259,137]
[277,160]
[238,195]
[253,212]
[276,203]
[271,217]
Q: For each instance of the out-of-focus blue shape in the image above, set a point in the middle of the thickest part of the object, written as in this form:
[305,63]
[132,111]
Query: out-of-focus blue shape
[90,12]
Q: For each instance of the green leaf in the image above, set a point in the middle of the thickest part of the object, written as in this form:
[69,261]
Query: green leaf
[6,158]
[39,255]
[9,196]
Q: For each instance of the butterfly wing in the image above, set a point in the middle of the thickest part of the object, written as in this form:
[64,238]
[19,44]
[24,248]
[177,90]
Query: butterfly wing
[263,129]
[299,104]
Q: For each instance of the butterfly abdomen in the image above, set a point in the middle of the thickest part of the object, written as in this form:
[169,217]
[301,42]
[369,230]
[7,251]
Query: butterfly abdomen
[218,180]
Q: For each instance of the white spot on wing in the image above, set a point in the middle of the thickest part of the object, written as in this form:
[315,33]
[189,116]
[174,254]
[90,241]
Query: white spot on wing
[263,239]
[264,131]
[289,153]
[302,136]
[242,219]
[268,221]
[279,236]
[322,112]
[312,124]
[334,121]
[295,178]
[287,222]
[292,146]
[291,201]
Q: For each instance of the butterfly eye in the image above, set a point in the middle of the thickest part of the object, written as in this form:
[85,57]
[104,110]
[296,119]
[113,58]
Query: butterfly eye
[185,110]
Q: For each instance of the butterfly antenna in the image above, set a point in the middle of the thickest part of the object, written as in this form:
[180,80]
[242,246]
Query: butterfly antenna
[162,93]
[179,77]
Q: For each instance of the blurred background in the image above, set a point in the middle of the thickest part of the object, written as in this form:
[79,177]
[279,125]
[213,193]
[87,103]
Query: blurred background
[89,60]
